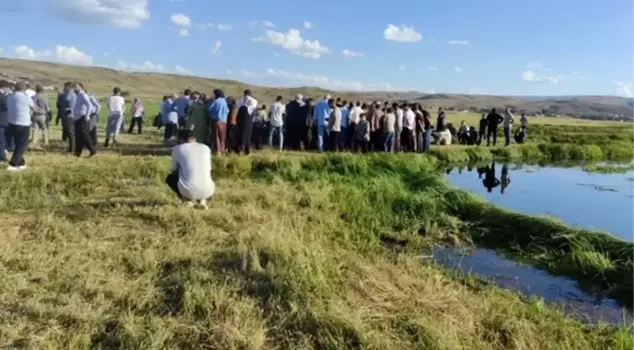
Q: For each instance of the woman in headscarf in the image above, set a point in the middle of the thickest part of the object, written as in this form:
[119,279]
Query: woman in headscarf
[137,115]
[197,120]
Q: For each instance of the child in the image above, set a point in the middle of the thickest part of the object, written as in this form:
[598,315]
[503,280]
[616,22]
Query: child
[362,134]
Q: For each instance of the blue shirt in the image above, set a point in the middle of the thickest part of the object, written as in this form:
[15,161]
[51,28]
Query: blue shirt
[181,105]
[96,107]
[19,108]
[82,107]
[321,114]
[218,110]
[345,113]
[169,113]
[68,98]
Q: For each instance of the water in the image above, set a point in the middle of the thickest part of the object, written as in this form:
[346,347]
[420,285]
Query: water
[590,200]
[530,281]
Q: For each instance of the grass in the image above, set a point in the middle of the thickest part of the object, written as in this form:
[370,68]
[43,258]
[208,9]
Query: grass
[608,168]
[292,254]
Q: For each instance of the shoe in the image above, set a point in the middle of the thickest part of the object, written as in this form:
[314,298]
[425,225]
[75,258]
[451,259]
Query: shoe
[22,167]
[203,204]
[15,168]
[189,204]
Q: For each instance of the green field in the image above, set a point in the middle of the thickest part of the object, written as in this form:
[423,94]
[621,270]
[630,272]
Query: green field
[297,251]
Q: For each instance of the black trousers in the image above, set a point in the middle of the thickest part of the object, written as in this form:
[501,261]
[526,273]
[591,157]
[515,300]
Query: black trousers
[245,130]
[83,137]
[172,182]
[138,121]
[333,141]
[361,146]
[68,125]
[407,140]
[492,131]
[20,134]
[170,130]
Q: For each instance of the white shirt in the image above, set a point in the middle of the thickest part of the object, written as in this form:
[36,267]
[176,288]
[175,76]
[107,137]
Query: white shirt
[508,119]
[277,114]
[116,105]
[355,114]
[30,92]
[193,162]
[399,119]
[408,119]
[248,101]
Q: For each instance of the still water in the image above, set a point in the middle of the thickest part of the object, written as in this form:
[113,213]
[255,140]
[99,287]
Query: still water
[581,199]
[529,281]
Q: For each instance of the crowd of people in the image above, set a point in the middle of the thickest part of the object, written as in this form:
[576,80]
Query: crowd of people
[223,124]
[229,125]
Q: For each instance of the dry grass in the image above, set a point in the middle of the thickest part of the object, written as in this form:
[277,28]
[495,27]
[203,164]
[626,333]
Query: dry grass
[96,253]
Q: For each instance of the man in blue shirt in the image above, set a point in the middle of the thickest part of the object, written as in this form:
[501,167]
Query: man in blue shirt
[170,118]
[343,135]
[218,112]
[321,114]
[19,108]
[181,104]
[81,116]
[5,89]
[65,104]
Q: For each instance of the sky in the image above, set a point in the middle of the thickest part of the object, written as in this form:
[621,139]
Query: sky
[539,47]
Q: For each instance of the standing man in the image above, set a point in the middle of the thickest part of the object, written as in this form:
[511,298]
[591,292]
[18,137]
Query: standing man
[41,114]
[295,122]
[218,113]
[493,120]
[389,128]
[508,121]
[81,121]
[276,122]
[28,91]
[343,135]
[170,118]
[182,104]
[94,117]
[19,108]
[65,105]
[5,89]
[116,110]
[321,114]
[483,127]
[334,126]
[246,107]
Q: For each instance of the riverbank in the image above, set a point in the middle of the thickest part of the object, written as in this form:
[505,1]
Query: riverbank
[295,252]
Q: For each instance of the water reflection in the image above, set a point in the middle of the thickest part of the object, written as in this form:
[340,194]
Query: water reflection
[573,195]
[530,281]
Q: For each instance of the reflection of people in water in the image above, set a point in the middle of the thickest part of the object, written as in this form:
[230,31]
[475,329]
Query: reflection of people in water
[481,171]
[506,179]
[490,181]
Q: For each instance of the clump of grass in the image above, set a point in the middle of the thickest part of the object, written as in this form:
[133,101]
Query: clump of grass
[608,169]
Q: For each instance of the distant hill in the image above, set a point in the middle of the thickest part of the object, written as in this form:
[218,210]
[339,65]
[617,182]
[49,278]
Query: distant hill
[102,80]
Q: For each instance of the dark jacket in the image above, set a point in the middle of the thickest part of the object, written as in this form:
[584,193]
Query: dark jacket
[494,119]
[483,124]
[4,111]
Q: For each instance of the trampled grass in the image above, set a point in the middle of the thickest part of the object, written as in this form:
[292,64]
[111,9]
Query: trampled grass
[97,253]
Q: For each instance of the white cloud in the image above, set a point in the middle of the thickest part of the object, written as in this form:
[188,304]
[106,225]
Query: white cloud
[180,20]
[325,82]
[401,33]
[266,24]
[457,69]
[458,42]
[349,53]
[623,89]
[216,49]
[116,13]
[528,75]
[308,25]
[60,53]
[183,32]
[182,71]
[146,66]
[224,27]
[432,68]
[402,67]
[293,42]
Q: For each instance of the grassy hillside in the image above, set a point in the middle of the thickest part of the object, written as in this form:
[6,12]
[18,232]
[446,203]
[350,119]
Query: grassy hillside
[101,80]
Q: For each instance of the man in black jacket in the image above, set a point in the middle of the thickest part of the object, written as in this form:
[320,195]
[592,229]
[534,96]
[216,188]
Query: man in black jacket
[483,127]
[5,88]
[296,112]
[493,120]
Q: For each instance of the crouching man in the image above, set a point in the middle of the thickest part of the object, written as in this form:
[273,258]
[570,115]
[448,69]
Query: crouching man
[191,170]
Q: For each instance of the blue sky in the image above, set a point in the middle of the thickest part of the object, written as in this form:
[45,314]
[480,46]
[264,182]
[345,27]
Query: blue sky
[556,47]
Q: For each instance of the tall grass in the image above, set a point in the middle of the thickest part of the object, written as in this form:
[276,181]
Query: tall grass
[292,254]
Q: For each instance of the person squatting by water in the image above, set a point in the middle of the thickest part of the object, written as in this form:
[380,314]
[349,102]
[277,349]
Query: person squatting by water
[190,177]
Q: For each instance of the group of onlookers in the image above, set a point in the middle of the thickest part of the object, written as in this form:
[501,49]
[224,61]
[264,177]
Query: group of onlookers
[227,125]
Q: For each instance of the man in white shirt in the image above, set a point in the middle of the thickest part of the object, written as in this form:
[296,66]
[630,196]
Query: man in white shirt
[508,120]
[116,108]
[191,170]
[28,91]
[276,120]
[407,134]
